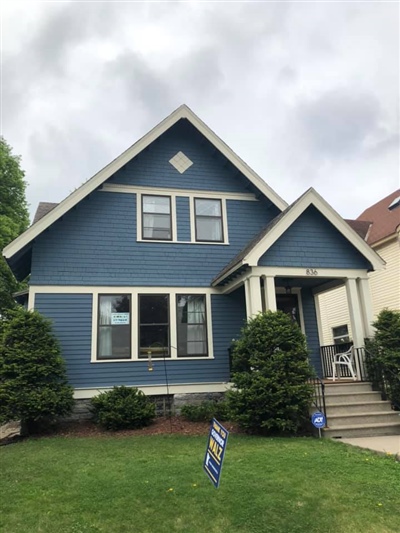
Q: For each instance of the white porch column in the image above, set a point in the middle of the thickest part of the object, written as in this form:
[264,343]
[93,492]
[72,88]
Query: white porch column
[247,297]
[356,317]
[366,306]
[269,292]
[255,294]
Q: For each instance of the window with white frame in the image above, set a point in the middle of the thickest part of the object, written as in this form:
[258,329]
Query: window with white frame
[114,327]
[191,325]
[156,218]
[208,220]
[154,325]
[340,334]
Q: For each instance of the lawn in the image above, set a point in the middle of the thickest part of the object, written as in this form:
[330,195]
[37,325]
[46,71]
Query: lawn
[156,484]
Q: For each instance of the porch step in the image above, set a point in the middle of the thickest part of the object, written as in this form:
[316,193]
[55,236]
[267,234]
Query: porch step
[363,430]
[348,387]
[352,397]
[364,419]
[359,407]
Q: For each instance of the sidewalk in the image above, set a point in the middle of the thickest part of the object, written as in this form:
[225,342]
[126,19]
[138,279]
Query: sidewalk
[379,444]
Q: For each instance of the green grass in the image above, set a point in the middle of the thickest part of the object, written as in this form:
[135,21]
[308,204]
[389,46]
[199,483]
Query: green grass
[156,484]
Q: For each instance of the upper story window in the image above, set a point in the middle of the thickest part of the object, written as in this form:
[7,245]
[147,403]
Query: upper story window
[156,218]
[208,220]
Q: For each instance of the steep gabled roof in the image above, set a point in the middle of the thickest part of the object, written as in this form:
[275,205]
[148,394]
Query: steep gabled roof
[361,227]
[385,221]
[251,254]
[183,112]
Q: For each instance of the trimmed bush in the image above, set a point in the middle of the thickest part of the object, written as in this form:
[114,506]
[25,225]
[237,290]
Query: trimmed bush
[206,411]
[123,408]
[271,370]
[33,382]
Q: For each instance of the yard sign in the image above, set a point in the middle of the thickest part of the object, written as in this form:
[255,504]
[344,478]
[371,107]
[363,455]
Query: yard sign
[215,452]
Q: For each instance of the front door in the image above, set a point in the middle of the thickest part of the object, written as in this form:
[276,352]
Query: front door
[289,304]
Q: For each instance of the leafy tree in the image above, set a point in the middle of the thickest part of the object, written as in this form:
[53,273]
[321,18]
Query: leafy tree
[14,216]
[270,374]
[33,383]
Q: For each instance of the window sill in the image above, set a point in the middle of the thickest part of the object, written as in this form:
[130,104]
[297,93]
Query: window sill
[184,242]
[154,359]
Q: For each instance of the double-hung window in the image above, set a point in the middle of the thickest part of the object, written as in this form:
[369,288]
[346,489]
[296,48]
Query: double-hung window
[156,218]
[191,325]
[114,326]
[208,220]
[154,325]
[340,334]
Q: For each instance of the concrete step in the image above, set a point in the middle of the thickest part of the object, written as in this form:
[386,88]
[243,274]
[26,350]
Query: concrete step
[366,418]
[348,388]
[360,407]
[356,397]
[370,430]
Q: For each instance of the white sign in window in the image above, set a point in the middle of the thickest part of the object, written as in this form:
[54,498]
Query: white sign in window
[118,319]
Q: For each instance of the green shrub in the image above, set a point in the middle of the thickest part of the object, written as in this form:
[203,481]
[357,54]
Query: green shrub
[123,408]
[383,355]
[33,383]
[271,369]
[206,411]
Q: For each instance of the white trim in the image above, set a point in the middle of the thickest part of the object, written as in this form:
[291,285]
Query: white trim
[111,289]
[186,388]
[319,321]
[297,292]
[185,193]
[183,112]
[224,219]
[302,272]
[270,293]
[139,215]
[31,299]
[311,197]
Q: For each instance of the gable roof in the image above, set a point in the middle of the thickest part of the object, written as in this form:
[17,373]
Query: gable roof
[183,112]
[385,221]
[251,254]
[361,227]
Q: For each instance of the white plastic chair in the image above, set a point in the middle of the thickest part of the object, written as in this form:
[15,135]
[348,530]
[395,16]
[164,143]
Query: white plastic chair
[344,358]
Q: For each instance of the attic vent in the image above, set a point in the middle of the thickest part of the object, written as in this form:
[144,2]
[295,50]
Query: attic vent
[181,162]
[395,203]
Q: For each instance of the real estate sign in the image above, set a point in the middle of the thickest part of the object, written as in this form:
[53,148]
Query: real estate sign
[217,439]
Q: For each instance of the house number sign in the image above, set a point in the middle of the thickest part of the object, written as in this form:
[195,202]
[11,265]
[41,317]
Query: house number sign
[311,272]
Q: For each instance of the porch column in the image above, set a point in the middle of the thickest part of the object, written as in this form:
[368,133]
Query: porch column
[366,306]
[255,295]
[356,317]
[269,291]
[247,297]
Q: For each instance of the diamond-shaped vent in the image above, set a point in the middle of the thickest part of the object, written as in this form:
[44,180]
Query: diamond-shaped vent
[181,162]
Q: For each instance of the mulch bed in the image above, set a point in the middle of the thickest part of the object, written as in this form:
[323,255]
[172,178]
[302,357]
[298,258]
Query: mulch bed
[174,425]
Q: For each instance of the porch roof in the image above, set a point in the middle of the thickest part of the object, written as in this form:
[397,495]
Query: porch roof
[252,252]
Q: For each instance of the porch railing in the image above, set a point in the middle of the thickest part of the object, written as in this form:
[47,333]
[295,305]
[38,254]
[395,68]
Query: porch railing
[328,353]
[383,379]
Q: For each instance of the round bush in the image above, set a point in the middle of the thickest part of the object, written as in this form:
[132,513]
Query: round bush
[123,408]
[206,411]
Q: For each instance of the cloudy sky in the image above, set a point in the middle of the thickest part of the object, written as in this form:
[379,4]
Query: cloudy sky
[306,93]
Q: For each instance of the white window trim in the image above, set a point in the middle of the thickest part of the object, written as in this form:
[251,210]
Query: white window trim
[297,291]
[340,336]
[174,231]
[134,292]
[193,219]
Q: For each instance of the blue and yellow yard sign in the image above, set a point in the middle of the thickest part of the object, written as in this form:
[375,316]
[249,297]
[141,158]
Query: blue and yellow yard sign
[215,452]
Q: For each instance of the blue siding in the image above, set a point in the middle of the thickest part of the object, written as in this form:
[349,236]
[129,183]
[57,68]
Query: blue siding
[312,241]
[183,218]
[71,315]
[95,244]
[311,326]
[210,171]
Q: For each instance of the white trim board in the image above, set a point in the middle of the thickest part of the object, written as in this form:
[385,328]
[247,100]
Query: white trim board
[149,390]
[183,112]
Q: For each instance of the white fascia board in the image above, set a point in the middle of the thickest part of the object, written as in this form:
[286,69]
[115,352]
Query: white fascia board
[98,179]
[311,197]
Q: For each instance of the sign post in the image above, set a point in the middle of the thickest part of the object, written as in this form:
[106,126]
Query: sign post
[319,421]
[215,452]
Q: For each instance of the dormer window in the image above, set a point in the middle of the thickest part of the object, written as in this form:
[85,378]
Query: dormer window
[208,220]
[156,218]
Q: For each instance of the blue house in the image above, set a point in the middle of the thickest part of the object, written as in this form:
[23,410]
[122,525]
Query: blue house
[150,268]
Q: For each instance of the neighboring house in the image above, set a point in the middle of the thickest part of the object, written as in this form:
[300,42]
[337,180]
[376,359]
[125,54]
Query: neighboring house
[150,268]
[379,225]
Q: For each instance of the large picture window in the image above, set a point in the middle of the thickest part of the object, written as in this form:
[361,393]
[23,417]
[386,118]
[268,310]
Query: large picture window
[156,218]
[114,338]
[191,325]
[154,325]
[208,220]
